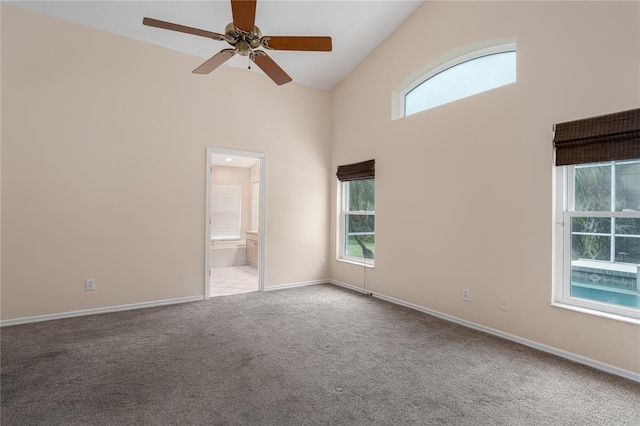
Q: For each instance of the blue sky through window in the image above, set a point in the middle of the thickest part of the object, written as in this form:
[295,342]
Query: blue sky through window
[462,80]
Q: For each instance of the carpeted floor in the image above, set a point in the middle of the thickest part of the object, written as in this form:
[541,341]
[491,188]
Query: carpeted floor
[316,355]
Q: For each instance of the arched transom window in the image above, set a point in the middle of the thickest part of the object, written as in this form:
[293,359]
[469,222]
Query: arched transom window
[466,75]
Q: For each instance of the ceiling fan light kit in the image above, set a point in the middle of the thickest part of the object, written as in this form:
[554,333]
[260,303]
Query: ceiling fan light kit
[246,39]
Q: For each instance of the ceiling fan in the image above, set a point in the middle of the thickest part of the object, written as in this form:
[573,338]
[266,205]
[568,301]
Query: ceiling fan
[246,40]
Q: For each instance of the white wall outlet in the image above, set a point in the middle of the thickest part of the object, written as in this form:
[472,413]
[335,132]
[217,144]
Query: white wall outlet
[466,294]
[322,263]
[90,284]
[504,303]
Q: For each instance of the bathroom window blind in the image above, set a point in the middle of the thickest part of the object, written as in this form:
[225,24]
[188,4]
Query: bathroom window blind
[225,210]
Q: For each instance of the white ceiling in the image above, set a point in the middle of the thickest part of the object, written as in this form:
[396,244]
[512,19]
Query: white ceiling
[356,27]
[233,161]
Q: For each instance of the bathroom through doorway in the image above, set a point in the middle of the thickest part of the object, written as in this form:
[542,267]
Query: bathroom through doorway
[235,186]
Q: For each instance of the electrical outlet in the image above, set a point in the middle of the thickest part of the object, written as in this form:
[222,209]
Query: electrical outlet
[466,294]
[322,263]
[504,303]
[90,284]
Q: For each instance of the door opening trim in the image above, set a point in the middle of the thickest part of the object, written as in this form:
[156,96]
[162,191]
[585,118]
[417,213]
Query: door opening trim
[262,157]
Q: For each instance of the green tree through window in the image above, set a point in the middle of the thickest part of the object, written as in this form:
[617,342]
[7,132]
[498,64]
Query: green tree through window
[606,187]
[359,219]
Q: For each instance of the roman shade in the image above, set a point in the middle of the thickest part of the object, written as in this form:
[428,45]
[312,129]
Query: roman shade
[357,171]
[609,137]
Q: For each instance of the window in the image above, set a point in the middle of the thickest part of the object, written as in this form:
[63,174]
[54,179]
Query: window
[358,221]
[601,236]
[356,234]
[598,214]
[225,210]
[465,75]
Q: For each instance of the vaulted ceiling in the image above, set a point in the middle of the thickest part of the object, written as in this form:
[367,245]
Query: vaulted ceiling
[356,27]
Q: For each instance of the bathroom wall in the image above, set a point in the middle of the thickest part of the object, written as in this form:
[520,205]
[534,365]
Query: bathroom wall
[255,177]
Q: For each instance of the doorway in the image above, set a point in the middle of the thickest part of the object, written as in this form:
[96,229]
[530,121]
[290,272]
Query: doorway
[235,231]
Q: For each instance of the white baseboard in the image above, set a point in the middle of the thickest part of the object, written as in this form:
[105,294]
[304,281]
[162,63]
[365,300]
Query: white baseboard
[294,285]
[94,311]
[351,287]
[539,346]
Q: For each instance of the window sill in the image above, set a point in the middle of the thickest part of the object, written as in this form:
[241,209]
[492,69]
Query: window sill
[596,313]
[353,262]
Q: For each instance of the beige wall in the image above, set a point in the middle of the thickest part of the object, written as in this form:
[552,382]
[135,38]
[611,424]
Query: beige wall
[464,191]
[242,176]
[103,145]
[255,172]
[103,167]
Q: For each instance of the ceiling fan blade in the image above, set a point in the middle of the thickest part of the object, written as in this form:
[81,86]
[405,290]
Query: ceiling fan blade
[270,68]
[317,44]
[214,62]
[181,28]
[244,14]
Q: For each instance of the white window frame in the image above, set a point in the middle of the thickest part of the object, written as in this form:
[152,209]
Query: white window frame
[563,215]
[441,66]
[344,202]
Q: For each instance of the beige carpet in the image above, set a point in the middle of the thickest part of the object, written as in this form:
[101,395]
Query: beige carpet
[316,355]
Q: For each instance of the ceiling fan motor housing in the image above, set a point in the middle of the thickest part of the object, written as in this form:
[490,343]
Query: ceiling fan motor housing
[243,41]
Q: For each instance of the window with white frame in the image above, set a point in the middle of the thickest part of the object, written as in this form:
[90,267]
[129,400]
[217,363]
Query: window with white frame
[356,233]
[465,75]
[226,201]
[358,221]
[598,238]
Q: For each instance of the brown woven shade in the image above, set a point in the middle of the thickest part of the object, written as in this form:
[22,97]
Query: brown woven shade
[357,171]
[592,140]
